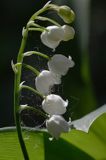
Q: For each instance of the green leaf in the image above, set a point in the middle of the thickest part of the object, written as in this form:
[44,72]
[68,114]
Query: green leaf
[75,145]
[85,122]
[10,148]
[94,142]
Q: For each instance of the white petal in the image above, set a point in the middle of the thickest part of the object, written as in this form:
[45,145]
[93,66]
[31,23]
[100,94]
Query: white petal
[45,80]
[55,33]
[51,44]
[72,63]
[56,125]
[69,32]
[59,64]
[54,104]
[52,37]
[85,122]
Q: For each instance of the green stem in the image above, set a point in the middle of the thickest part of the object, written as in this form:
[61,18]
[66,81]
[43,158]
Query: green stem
[34,70]
[39,12]
[36,29]
[49,20]
[36,25]
[33,90]
[37,111]
[37,53]
[17,95]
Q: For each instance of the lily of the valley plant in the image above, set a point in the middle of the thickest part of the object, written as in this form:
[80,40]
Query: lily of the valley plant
[53,105]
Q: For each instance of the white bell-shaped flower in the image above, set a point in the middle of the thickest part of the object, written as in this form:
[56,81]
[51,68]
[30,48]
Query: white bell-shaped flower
[56,125]
[59,64]
[45,80]
[54,104]
[52,37]
[69,32]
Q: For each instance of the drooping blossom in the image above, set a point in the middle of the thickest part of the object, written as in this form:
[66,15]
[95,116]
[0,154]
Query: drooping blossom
[45,80]
[60,64]
[52,37]
[54,104]
[69,32]
[56,125]
[55,34]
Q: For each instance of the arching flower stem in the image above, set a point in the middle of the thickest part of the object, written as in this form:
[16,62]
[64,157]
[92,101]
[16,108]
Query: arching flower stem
[49,20]
[34,70]
[35,110]
[32,89]
[33,24]
[37,29]
[36,53]
[17,95]
[45,8]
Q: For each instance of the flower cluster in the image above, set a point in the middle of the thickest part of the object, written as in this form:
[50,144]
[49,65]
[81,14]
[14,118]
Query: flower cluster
[53,104]
[58,66]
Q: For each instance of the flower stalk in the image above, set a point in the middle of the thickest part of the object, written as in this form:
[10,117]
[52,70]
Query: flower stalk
[17,96]
[29,53]
[34,70]
[37,111]
[32,90]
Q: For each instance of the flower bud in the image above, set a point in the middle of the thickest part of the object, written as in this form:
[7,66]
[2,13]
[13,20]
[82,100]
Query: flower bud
[66,13]
[59,64]
[54,104]
[45,80]
[56,125]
